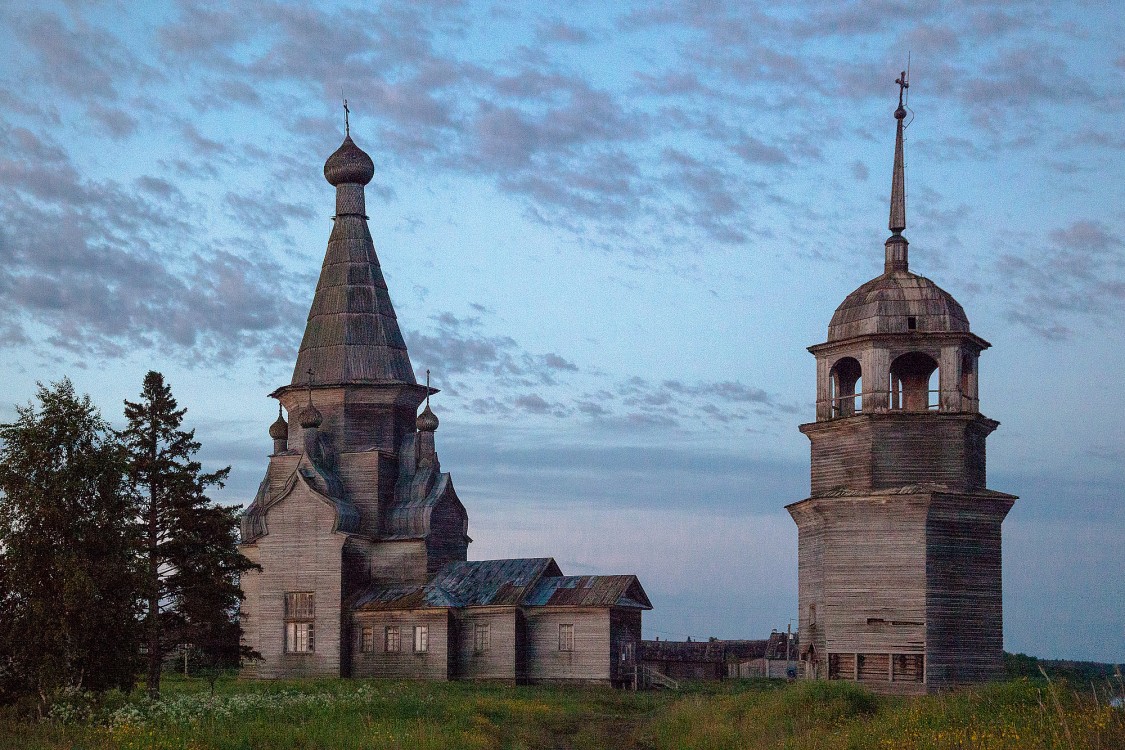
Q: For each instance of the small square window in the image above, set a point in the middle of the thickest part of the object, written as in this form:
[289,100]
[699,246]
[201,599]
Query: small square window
[566,637]
[366,640]
[391,638]
[912,323]
[421,639]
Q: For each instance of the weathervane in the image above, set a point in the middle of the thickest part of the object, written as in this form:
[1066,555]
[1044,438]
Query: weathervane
[347,125]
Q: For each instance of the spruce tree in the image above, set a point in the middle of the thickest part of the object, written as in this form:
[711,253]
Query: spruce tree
[189,546]
[68,574]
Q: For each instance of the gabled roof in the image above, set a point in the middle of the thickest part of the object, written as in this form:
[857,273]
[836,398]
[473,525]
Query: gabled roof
[589,591]
[478,583]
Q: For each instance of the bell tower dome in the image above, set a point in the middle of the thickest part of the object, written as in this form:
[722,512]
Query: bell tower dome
[899,542]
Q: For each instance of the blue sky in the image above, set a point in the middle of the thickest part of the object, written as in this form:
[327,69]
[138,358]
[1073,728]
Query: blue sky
[610,230]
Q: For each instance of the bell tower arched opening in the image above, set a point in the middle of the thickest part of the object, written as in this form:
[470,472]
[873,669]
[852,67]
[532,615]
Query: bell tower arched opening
[846,382]
[913,378]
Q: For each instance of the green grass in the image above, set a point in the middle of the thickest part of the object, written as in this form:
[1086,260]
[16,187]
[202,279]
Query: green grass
[346,714]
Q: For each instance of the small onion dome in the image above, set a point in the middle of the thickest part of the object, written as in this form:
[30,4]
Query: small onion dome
[279,430]
[310,417]
[350,164]
[427,421]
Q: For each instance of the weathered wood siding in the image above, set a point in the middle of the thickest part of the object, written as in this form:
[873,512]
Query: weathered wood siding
[401,561]
[250,609]
[498,661]
[894,449]
[404,664]
[300,553]
[862,565]
[810,586]
[447,541]
[589,661]
[965,616]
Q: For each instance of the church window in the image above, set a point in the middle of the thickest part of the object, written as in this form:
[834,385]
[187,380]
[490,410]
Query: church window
[912,323]
[391,638]
[482,637]
[367,640]
[566,637]
[300,614]
[421,639]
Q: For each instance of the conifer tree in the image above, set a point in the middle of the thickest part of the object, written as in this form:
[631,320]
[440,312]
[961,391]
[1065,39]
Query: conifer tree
[68,574]
[189,546]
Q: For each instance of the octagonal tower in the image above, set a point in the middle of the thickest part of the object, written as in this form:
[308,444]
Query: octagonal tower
[899,545]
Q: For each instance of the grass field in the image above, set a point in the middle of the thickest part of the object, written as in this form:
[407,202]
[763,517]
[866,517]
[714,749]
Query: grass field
[335,714]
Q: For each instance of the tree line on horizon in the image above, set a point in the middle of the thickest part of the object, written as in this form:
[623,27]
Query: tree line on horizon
[111,553]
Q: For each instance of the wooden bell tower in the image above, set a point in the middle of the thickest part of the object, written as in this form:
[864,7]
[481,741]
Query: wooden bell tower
[899,549]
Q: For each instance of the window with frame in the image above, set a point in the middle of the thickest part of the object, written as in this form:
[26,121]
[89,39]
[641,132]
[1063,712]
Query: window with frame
[392,638]
[566,637]
[300,616]
[421,639]
[366,639]
[482,637]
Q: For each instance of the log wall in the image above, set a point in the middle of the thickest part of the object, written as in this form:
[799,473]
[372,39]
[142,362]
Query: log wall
[497,662]
[300,553]
[404,664]
[590,659]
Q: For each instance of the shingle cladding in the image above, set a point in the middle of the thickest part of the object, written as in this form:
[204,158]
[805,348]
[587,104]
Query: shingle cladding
[883,305]
[352,333]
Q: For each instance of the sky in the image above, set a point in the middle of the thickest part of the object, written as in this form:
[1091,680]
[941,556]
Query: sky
[610,230]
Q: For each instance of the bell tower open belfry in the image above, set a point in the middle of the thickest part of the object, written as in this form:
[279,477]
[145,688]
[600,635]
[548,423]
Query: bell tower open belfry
[899,552]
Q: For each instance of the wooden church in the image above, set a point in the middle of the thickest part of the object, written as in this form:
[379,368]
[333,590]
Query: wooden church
[899,581]
[360,535]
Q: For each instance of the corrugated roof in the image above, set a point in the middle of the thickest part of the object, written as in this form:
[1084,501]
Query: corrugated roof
[589,591]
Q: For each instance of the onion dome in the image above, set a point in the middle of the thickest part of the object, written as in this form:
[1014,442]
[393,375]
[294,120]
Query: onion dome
[310,417]
[897,302]
[427,421]
[279,430]
[349,165]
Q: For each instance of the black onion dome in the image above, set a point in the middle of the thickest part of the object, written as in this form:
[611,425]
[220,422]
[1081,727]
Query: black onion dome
[886,303]
[349,164]
[427,421]
[279,430]
[310,417]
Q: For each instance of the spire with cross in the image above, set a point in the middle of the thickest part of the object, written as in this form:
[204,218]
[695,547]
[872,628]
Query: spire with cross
[347,123]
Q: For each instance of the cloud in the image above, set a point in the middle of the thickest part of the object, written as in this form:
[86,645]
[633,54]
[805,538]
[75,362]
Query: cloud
[106,266]
[1080,273]
[460,346]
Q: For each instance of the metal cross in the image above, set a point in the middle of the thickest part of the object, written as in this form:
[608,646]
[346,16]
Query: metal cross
[427,386]
[903,84]
[347,125]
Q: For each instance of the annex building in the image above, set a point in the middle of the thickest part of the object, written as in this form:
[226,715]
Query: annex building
[899,582]
[360,535]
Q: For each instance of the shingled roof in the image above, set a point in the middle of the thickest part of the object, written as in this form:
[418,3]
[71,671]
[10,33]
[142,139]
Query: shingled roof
[352,333]
[528,582]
